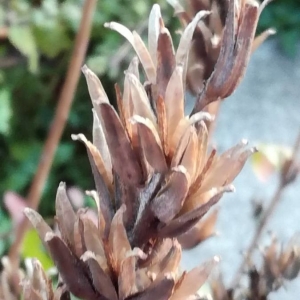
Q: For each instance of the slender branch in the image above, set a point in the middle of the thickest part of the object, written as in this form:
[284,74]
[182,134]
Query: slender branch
[58,125]
[284,181]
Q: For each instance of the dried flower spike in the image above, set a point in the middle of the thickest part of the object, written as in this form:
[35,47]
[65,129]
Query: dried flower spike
[222,44]
[155,178]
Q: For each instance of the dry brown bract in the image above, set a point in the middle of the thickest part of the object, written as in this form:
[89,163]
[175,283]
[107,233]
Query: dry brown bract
[30,285]
[154,173]
[93,266]
[222,44]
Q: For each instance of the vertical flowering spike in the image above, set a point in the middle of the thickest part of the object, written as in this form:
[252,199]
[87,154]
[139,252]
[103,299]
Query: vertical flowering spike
[153,175]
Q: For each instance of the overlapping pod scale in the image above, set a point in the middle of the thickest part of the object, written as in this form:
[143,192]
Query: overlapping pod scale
[96,90]
[68,265]
[200,198]
[118,241]
[78,236]
[204,229]
[165,60]
[153,32]
[127,280]
[262,37]
[202,134]
[169,200]
[139,98]
[99,142]
[101,223]
[151,144]
[168,262]
[101,280]
[120,147]
[94,244]
[226,167]
[174,94]
[137,43]
[229,68]
[190,155]
[97,158]
[184,222]
[36,284]
[186,38]
[191,281]
[63,209]
[184,125]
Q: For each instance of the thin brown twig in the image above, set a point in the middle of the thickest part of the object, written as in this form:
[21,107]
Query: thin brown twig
[58,125]
[266,216]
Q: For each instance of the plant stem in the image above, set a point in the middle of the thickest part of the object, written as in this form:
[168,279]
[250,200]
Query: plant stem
[266,216]
[58,124]
[265,219]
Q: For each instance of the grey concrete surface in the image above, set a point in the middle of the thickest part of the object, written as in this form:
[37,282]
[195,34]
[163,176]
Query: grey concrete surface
[264,108]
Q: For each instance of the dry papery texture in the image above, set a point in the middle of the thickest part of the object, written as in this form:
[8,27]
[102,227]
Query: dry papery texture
[155,174]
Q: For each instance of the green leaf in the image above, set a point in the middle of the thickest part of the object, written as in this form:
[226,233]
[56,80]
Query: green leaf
[289,41]
[33,247]
[63,153]
[51,38]
[23,39]
[5,111]
[5,226]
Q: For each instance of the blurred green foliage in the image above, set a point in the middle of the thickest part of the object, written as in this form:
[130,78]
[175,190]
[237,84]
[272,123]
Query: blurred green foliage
[284,16]
[33,61]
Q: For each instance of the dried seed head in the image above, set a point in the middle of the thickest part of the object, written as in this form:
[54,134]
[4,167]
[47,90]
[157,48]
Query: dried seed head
[154,176]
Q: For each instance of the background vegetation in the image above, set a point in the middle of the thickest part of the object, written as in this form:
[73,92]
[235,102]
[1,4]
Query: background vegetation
[36,39]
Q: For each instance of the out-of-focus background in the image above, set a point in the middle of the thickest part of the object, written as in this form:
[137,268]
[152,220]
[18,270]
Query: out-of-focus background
[36,39]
